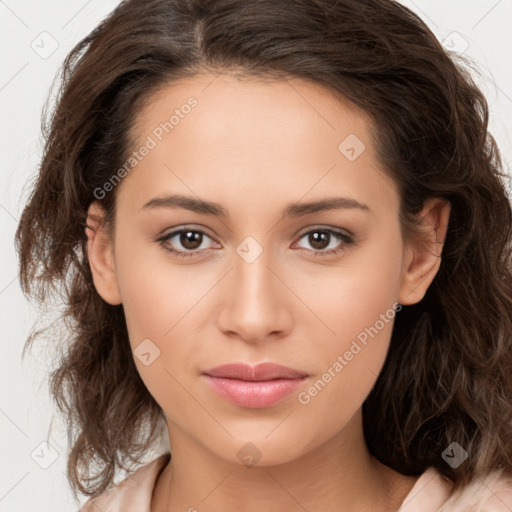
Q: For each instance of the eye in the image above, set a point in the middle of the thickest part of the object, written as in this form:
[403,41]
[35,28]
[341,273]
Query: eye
[184,242]
[327,241]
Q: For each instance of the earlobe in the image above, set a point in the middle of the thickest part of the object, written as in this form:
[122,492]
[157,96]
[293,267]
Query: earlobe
[100,255]
[423,256]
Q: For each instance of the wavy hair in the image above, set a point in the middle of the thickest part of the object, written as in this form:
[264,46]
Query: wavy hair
[447,374]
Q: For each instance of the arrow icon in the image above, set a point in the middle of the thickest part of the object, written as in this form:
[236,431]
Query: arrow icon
[40,454]
[454,455]
[146,352]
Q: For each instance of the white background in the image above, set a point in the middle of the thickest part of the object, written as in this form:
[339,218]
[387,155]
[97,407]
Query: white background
[25,409]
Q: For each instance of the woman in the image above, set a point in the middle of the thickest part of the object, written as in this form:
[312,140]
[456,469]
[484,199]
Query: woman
[284,241]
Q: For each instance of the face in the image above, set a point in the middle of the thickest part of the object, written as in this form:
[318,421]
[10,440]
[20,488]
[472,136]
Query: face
[298,262]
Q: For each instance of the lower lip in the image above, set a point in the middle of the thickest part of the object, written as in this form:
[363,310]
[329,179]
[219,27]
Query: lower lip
[256,394]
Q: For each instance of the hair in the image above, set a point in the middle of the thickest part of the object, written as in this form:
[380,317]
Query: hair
[447,374]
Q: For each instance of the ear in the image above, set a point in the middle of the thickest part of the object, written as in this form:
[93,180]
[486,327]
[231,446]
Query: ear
[423,256]
[101,255]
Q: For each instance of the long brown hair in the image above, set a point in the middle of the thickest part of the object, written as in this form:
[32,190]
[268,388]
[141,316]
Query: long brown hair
[447,377]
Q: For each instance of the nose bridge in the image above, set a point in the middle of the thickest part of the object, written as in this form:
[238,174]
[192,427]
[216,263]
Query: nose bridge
[254,306]
[251,270]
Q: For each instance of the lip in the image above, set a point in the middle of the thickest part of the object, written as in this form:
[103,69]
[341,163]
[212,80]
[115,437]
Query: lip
[255,387]
[260,372]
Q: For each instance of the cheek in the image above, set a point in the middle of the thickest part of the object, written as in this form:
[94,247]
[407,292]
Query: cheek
[156,293]
[357,305]
[352,296]
[164,306]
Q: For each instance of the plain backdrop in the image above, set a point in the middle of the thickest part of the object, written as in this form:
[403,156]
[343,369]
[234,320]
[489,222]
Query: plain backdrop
[35,38]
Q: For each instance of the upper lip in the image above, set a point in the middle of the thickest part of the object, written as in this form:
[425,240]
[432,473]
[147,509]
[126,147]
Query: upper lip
[263,371]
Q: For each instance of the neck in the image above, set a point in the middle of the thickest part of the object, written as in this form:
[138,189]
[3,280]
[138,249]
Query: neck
[340,473]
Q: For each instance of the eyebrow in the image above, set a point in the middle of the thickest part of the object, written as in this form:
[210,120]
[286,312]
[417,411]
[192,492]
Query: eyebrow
[292,209]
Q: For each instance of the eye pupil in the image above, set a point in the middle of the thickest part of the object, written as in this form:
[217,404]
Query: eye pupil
[319,239]
[189,239]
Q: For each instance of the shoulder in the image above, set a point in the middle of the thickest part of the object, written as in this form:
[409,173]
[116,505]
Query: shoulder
[434,492]
[492,493]
[133,494]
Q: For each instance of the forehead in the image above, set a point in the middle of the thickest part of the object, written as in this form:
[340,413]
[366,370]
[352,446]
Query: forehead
[257,104]
[245,135]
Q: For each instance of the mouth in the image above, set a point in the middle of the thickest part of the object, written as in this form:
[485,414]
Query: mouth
[255,387]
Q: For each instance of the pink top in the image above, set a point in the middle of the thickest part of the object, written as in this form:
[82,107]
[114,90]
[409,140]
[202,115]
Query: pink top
[430,493]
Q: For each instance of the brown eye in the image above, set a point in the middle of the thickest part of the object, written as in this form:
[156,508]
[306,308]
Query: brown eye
[320,239]
[185,242]
[190,239]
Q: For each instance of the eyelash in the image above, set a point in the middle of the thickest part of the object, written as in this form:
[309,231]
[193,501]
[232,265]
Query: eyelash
[347,241]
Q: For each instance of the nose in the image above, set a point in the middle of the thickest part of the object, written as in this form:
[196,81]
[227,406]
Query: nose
[255,304]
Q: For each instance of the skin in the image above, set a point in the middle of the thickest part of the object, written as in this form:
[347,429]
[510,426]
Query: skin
[254,147]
